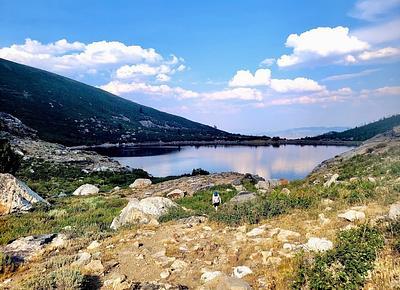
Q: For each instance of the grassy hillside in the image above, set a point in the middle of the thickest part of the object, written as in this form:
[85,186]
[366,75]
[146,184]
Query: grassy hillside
[69,112]
[362,133]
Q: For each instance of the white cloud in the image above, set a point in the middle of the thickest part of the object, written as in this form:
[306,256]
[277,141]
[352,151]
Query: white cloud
[387,52]
[350,75]
[381,92]
[319,43]
[379,33]
[268,62]
[244,78]
[295,85]
[236,93]
[372,10]
[121,88]
[77,58]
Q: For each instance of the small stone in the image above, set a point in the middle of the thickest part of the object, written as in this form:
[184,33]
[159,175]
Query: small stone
[95,267]
[93,245]
[332,180]
[285,191]
[352,215]
[178,265]
[256,231]
[371,179]
[318,245]
[164,274]
[394,211]
[210,275]
[241,271]
[323,220]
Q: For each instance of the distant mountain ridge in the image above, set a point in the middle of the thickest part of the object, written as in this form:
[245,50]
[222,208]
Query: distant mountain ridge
[302,132]
[66,111]
[362,133]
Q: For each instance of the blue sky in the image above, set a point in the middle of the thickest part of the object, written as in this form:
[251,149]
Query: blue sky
[245,66]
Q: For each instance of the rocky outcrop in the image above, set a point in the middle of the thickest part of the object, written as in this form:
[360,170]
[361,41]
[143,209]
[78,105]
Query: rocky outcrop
[16,196]
[332,180]
[140,183]
[176,194]
[243,196]
[14,126]
[86,189]
[142,211]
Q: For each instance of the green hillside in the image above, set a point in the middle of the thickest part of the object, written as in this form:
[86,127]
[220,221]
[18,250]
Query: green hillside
[364,132]
[69,112]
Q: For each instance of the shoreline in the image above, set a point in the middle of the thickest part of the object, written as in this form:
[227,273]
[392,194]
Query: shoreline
[224,143]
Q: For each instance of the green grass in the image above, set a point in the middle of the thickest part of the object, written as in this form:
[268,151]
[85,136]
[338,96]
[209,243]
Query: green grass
[346,265]
[86,215]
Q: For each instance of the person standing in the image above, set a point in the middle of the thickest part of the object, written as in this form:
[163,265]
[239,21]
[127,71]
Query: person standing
[216,200]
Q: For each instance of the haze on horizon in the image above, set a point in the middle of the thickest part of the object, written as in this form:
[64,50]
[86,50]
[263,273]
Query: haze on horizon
[244,66]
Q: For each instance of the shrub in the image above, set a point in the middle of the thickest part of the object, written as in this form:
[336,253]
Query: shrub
[174,214]
[9,161]
[7,264]
[199,171]
[65,279]
[345,266]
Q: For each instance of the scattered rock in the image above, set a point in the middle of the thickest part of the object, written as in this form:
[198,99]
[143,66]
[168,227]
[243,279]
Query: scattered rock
[210,275]
[176,194]
[323,220]
[223,282]
[318,245]
[140,183]
[178,265]
[285,191]
[93,245]
[83,259]
[256,231]
[241,271]
[353,179]
[86,189]
[115,281]
[284,235]
[332,180]
[394,211]
[262,185]
[326,201]
[164,274]
[371,179]
[16,196]
[94,267]
[143,211]
[352,215]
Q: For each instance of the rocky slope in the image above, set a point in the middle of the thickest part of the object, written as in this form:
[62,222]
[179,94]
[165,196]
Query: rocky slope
[342,217]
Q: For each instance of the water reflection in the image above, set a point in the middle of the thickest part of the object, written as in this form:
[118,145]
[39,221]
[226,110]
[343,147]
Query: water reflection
[289,161]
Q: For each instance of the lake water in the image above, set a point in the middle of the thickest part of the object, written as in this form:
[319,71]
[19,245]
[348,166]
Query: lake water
[287,161]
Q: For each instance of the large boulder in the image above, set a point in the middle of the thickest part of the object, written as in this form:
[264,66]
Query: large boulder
[243,196]
[16,196]
[394,211]
[143,211]
[176,194]
[86,189]
[140,183]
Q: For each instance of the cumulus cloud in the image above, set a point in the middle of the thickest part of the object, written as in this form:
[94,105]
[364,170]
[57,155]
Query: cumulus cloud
[244,78]
[295,85]
[319,43]
[122,88]
[379,33]
[77,58]
[372,10]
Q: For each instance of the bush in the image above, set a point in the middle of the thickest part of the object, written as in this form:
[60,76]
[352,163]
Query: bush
[199,171]
[344,267]
[9,161]
[7,264]
[65,279]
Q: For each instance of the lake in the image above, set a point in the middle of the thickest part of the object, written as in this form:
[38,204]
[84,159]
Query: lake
[286,161]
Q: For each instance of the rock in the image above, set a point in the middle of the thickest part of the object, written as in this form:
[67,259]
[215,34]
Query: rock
[116,189]
[93,245]
[94,267]
[243,196]
[326,201]
[193,220]
[140,183]
[83,259]
[179,265]
[115,281]
[256,231]
[59,241]
[232,283]
[273,183]
[394,211]
[352,215]
[252,178]
[241,271]
[353,179]
[16,196]
[143,211]
[164,274]
[175,194]
[285,191]
[284,235]
[332,180]
[86,189]
[323,220]
[25,248]
[318,245]
[371,179]
[262,185]
[210,275]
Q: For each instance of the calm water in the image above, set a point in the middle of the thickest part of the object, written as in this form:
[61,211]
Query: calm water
[288,161]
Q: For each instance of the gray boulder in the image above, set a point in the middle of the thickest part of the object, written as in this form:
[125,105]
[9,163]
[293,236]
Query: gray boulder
[243,196]
[86,189]
[16,196]
[140,183]
[331,180]
[142,211]
[394,211]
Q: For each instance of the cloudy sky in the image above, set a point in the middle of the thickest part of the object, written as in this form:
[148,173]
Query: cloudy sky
[244,66]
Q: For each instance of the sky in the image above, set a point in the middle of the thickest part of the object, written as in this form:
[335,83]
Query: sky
[244,66]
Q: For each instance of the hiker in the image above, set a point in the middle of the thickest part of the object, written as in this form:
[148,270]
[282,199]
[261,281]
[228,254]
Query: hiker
[216,200]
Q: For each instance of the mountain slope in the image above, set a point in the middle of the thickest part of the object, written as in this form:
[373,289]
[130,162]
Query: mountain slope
[362,133]
[72,113]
